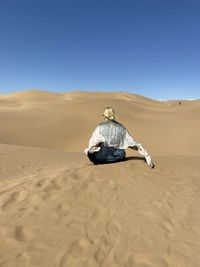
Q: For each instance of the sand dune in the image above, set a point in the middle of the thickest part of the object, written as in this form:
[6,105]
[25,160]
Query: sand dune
[57,209]
[65,121]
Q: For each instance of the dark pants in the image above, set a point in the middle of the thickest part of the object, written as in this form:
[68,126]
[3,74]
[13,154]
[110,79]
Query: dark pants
[107,155]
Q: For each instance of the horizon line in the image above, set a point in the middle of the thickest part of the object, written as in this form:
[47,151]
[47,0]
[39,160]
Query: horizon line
[61,91]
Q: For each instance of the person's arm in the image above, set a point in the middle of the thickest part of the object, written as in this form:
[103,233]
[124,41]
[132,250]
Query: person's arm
[95,140]
[139,148]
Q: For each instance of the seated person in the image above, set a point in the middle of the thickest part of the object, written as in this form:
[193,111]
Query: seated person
[109,141]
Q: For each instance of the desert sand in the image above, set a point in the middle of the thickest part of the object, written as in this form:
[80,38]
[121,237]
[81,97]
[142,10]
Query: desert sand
[59,210]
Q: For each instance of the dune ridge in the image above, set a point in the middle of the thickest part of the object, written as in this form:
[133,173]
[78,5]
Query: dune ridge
[59,210]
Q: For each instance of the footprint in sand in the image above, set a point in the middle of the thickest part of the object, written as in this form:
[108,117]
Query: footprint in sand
[63,209]
[25,233]
[14,197]
[40,183]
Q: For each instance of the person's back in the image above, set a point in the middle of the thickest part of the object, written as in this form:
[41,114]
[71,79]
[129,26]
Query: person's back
[113,133]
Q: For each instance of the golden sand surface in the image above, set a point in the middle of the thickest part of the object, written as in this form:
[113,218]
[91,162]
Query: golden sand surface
[59,210]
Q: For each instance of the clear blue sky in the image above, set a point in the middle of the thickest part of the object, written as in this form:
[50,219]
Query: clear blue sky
[149,47]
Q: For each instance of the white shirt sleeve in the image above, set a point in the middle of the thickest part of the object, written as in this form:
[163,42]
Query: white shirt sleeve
[95,139]
[128,140]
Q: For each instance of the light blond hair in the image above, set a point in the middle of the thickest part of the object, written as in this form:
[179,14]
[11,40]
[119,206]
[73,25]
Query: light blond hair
[109,114]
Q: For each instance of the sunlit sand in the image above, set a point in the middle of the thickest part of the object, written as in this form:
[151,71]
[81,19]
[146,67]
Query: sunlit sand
[57,209]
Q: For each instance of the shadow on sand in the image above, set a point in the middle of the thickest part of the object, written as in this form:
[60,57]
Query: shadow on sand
[115,162]
[135,158]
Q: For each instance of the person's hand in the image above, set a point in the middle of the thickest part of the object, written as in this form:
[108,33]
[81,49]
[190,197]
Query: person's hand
[86,151]
[149,162]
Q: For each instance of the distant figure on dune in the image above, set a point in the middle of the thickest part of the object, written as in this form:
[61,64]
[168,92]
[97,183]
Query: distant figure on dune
[109,141]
